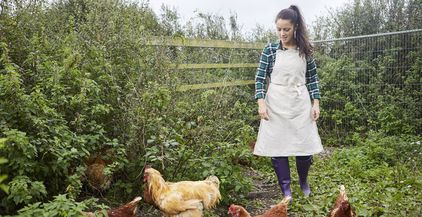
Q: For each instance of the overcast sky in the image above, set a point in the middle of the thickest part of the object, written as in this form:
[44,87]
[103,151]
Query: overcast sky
[249,12]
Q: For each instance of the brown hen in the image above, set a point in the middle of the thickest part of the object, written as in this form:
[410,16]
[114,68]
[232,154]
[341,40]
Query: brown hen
[126,210]
[95,173]
[342,207]
[279,210]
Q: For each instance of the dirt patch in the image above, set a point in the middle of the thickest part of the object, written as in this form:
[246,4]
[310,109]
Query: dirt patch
[326,153]
[265,194]
[149,211]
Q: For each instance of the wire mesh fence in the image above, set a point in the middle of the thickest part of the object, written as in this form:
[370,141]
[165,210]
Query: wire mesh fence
[370,82]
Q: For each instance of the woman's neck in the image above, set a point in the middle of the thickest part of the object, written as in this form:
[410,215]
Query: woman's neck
[290,45]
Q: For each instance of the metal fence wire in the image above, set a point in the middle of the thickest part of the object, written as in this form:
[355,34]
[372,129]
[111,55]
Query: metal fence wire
[371,82]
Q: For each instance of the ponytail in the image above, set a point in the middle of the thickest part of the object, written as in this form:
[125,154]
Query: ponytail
[295,16]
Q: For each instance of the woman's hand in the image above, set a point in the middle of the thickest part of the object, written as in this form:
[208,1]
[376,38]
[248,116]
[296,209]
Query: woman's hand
[262,109]
[315,110]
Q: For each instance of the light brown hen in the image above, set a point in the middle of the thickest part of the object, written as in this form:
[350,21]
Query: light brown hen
[185,198]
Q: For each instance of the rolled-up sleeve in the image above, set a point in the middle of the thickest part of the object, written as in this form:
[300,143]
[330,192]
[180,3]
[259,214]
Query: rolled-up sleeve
[261,74]
[312,81]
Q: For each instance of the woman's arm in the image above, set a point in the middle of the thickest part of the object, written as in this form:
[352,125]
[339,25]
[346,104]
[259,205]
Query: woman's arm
[312,80]
[312,83]
[260,82]
[261,73]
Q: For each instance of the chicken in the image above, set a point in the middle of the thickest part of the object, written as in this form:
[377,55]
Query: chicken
[182,199]
[96,177]
[342,207]
[147,196]
[126,210]
[279,210]
[252,145]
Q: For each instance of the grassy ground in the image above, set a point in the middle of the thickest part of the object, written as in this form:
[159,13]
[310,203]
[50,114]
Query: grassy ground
[377,182]
[382,178]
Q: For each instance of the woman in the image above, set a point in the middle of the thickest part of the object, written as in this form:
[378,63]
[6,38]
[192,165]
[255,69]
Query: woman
[290,106]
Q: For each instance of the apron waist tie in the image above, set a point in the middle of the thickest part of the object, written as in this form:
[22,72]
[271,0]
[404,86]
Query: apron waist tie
[296,86]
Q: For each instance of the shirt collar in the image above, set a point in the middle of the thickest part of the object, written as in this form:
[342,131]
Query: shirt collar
[280,46]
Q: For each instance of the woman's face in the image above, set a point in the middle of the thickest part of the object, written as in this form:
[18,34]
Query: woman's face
[285,30]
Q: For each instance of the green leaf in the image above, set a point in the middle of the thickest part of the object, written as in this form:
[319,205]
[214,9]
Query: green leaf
[3,160]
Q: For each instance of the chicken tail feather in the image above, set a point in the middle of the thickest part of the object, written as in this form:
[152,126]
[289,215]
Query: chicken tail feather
[343,192]
[136,200]
[214,180]
[286,200]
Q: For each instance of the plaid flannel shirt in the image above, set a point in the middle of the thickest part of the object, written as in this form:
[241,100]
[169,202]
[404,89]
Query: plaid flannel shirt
[265,68]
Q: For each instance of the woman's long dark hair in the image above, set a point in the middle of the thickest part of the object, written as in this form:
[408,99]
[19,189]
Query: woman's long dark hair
[293,14]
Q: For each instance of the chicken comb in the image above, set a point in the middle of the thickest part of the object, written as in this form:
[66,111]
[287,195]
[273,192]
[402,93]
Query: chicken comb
[147,166]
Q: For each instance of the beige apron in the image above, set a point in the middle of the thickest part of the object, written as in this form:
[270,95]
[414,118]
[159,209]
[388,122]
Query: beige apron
[290,130]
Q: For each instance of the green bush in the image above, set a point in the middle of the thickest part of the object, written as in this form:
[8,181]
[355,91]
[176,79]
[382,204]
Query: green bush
[3,177]
[61,206]
[77,80]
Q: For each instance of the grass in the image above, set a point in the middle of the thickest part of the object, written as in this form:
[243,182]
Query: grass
[382,176]
[377,182]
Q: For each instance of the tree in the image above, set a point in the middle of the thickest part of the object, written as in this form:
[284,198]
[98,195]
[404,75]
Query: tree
[363,17]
